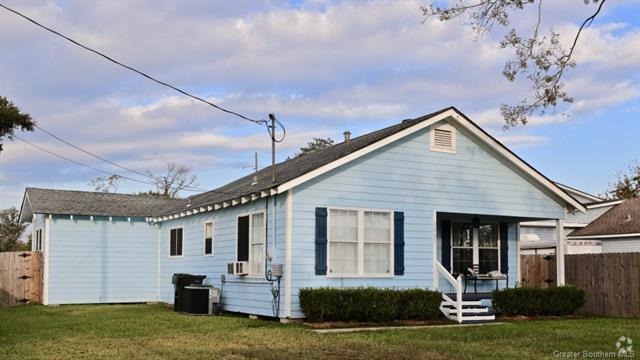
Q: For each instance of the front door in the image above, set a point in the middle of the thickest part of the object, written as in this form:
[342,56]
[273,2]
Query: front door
[475,244]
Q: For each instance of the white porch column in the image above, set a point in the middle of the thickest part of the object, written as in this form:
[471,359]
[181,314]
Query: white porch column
[560,251]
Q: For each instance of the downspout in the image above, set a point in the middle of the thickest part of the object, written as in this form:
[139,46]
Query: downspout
[159,243]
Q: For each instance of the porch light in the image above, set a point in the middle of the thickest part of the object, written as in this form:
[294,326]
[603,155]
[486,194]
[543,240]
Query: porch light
[476,222]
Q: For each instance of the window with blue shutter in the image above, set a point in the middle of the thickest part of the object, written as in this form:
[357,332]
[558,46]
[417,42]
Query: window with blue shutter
[398,243]
[321,241]
[504,247]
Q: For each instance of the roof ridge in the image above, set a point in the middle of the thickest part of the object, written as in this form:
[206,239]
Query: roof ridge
[106,193]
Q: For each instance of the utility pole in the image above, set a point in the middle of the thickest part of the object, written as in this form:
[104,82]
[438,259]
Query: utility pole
[272,117]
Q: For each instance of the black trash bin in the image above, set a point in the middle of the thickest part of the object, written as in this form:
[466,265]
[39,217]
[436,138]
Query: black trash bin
[180,281]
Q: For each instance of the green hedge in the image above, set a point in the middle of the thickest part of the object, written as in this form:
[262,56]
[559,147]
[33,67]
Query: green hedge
[369,304]
[558,301]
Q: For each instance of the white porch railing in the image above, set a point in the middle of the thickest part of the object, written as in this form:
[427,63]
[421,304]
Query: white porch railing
[456,283]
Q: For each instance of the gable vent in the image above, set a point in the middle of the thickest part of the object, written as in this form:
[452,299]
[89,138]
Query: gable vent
[443,139]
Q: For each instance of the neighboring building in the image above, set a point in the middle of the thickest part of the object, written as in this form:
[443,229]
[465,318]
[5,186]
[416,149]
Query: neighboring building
[403,207]
[618,229]
[540,237]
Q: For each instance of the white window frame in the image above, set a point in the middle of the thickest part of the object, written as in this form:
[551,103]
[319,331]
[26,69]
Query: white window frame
[264,240]
[169,242]
[476,242]
[360,245]
[204,238]
[38,240]
[432,138]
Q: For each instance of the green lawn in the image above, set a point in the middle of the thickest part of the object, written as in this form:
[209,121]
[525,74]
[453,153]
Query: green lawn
[153,331]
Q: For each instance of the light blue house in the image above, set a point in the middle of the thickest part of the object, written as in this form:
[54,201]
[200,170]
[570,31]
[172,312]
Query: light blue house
[406,206]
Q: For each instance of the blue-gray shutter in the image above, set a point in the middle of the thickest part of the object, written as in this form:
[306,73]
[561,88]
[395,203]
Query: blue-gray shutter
[398,243]
[321,241]
[445,232]
[504,247]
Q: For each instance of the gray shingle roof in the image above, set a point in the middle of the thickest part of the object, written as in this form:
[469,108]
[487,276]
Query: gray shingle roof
[621,219]
[66,202]
[296,167]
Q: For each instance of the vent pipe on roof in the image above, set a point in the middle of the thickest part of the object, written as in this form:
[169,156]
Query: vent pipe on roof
[347,136]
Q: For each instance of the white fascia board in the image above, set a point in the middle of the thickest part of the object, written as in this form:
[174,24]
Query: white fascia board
[551,223]
[520,164]
[579,192]
[604,236]
[364,151]
[605,204]
[463,122]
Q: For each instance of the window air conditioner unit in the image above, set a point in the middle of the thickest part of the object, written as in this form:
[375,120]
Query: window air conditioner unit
[238,268]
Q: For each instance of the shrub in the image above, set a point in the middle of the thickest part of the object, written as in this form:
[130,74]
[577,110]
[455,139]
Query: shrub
[558,301]
[368,304]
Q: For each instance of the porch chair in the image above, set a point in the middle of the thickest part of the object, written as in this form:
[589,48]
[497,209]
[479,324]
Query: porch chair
[473,274]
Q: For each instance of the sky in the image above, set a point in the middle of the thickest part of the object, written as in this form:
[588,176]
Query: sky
[322,67]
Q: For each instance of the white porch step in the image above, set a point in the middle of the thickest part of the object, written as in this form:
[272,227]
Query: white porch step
[472,311]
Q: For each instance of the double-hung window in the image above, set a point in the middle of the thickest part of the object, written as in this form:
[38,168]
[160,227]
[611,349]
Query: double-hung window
[208,238]
[360,243]
[251,242]
[175,242]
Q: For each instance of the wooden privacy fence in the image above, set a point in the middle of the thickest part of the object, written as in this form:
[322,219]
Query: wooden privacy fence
[538,270]
[20,277]
[612,281]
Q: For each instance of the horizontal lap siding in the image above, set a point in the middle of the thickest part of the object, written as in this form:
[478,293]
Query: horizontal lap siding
[406,176]
[621,245]
[250,295]
[102,261]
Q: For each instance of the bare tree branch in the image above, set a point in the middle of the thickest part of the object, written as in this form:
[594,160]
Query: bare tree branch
[541,60]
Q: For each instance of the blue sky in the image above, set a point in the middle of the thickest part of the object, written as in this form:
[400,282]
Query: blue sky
[322,66]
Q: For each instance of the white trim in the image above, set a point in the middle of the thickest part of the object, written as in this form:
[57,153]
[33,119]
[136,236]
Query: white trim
[45,255]
[459,119]
[264,242]
[434,247]
[581,193]
[432,136]
[287,254]
[551,224]
[609,236]
[204,238]
[560,251]
[518,270]
[605,204]
[495,145]
[169,243]
[159,251]
[360,244]
[364,151]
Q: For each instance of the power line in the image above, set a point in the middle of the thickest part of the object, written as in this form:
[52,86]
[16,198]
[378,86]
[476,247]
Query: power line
[107,160]
[107,172]
[259,122]
[77,162]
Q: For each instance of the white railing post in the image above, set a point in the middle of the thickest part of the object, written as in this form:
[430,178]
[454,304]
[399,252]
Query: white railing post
[459,299]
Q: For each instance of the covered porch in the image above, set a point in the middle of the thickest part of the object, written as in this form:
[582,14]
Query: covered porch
[475,254]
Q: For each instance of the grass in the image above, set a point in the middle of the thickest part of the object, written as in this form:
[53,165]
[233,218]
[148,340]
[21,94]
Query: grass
[156,332]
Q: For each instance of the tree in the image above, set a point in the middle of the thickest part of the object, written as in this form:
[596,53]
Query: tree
[540,58]
[177,178]
[314,145]
[12,118]
[107,184]
[11,230]
[626,186]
